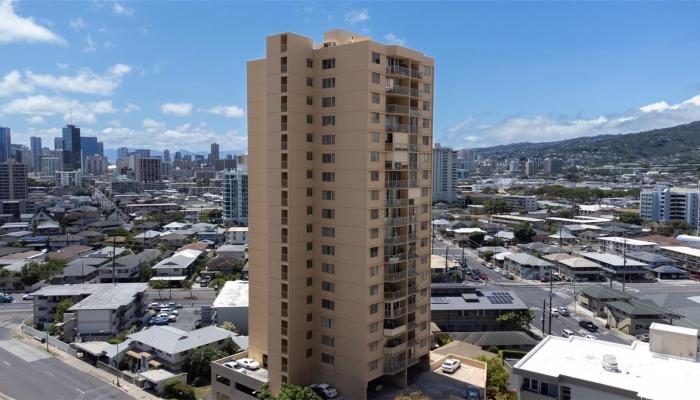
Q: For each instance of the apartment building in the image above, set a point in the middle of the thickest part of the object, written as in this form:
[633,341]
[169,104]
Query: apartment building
[576,368]
[444,174]
[666,204]
[521,203]
[148,169]
[235,196]
[340,144]
[13,180]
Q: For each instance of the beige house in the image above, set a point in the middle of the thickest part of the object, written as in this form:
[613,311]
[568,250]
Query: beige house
[340,144]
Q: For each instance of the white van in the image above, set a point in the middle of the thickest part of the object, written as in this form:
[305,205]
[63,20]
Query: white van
[567,333]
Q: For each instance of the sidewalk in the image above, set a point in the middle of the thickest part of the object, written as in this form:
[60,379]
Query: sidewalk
[129,389]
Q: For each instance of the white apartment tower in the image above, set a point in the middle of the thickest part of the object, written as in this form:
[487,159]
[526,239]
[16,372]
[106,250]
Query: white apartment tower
[444,174]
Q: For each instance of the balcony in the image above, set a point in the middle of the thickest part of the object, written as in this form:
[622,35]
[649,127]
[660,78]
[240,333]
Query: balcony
[283,88]
[394,349]
[401,109]
[283,107]
[284,202]
[283,146]
[398,70]
[399,239]
[394,368]
[401,91]
[391,184]
[284,221]
[395,313]
[397,202]
[283,127]
[390,332]
[284,238]
[283,68]
[395,258]
[404,128]
[400,221]
[397,294]
[394,276]
[283,47]
[283,164]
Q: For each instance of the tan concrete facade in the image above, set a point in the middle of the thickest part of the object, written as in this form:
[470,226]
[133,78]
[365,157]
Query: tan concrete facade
[339,146]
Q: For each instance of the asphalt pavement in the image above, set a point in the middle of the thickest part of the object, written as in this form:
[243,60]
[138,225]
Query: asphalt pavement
[29,373]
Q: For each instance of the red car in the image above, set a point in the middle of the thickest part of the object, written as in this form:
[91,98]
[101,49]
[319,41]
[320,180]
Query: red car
[544,279]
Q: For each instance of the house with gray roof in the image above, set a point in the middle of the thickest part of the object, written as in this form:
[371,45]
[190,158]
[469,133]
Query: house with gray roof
[527,266]
[171,348]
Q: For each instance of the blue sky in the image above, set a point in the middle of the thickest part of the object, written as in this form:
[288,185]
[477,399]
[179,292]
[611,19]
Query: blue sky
[172,74]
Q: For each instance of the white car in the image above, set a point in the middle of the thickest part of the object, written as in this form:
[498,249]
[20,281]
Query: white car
[591,337]
[232,364]
[172,317]
[555,312]
[28,297]
[165,310]
[324,389]
[174,312]
[450,365]
[154,306]
[249,363]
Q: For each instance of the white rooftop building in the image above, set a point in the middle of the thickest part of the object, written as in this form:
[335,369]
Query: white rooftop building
[666,368]
[232,305]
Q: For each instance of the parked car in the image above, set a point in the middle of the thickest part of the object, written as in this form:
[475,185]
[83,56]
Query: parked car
[165,310]
[172,318]
[564,311]
[174,312]
[588,325]
[544,279]
[198,324]
[554,311]
[473,393]
[174,306]
[249,363]
[159,320]
[154,306]
[6,298]
[567,333]
[511,277]
[591,337]
[232,365]
[450,365]
[28,296]
[324,390]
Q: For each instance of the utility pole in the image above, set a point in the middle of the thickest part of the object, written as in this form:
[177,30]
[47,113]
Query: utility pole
[551,293]
[544,307]
[624,260]
[447,251]
[114,255]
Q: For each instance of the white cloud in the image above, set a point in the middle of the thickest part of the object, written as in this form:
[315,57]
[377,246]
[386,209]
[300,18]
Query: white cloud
[356,16]
[151,123]
[178,109]
[12,83]
[72,110]
[226,111]
[62,65]
[77,23]
[131,107]
[475,133]
[86,81]
[36,120]
[14,28]
[393,39]
[186,136]
[121,10]
[89,44]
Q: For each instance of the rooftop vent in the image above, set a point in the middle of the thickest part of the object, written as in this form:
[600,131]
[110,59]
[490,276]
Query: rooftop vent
[610,363]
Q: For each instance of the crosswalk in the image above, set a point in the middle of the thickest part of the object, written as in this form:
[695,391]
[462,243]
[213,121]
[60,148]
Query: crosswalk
[13,322]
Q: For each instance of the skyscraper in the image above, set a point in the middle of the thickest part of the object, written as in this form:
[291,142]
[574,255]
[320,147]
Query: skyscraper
[5,144]
[35,146]
[148,169]
[122,152]
[143,153]
[214,153]
[235,196]
[13,180]
[444,174]
[89,146]
[71,148]
[58,143]
[166,155]
[339,141]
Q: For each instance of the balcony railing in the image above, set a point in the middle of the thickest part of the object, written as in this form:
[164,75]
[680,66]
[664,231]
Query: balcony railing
[283,127]
[415,74]
[284,146]
[284,202]
[283,68]
[283,47]
[394,276]
[283,88]
[284,183]
[400,220]
[394,348]
[397,294]
[392,369]
[284,220]
[394,258]
[397,109]
[395,313]
[400,184]
[405,128]
[284,238]
[398,70]
[283,164]
[397,202]
[402,91]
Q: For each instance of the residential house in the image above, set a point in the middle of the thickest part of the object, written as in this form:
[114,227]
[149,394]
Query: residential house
[527,266]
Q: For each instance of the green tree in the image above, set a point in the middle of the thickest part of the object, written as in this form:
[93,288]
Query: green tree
[497,378]
[523,232]
[158,285]
[229,326]
[476,239]
[174,389]
[487,255]
[496,206]
[230,347]
[630,218]
[187,284]
[199,362]
[522,319]
[288,392]
[61,308]
[119,232]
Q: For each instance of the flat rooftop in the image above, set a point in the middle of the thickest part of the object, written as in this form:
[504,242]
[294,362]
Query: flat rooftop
[480,300]
[612,259]
[100,296]
[628,241]
[650,375]
[233,294]
[688,251]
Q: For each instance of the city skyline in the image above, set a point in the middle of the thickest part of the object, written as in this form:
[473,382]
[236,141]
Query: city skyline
[572,70]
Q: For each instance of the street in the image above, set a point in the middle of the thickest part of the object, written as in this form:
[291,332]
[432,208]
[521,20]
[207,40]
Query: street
[29,373]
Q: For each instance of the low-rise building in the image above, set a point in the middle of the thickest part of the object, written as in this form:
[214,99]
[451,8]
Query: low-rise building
[576,267]
[231,304]
[100,310]
[177,267]
[596,298]
[521,203]
[576,368]
[527,266]
[238,235]
[507,219]
[459,308]
[620,245]
[618,267]
[687,258]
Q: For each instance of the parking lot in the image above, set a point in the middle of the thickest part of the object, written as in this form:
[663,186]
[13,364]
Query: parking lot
[435,384]
[188,314]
